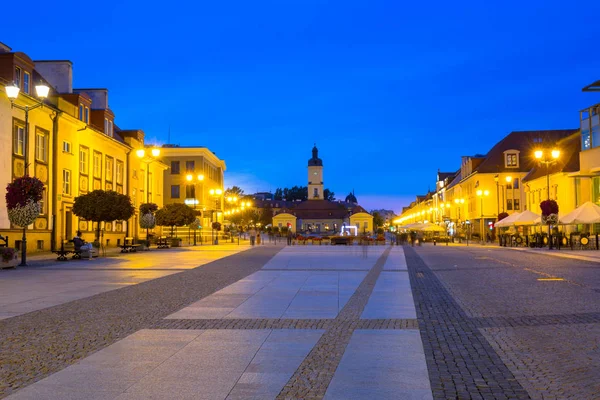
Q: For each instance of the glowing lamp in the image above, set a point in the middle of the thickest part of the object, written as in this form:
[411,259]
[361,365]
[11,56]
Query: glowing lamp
[42,90]
[140,153]
[12,91]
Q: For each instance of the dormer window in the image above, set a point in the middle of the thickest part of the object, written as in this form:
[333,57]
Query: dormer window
[108,127]
[26,79]
[18,73]
[511,159]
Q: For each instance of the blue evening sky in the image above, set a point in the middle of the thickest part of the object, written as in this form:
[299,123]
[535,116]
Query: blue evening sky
[389,90]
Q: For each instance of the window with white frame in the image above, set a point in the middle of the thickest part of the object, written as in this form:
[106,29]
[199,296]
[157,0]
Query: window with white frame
[110,128]
[26,80]
[66,146]
[66,182]
[119,172]
[18,73]
[83,160]
[86,115]
[109,168]
[41,146]
[97,165]
[81,112]
[512,160]
[19,140]
[43,202]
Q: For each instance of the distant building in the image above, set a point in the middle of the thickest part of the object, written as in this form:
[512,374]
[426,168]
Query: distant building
[262,196]
[319,215]
[194,177]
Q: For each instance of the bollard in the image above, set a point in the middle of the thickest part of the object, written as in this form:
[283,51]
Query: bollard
[434,242]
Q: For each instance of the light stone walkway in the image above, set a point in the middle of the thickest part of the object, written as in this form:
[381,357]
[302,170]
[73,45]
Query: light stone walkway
[291,330]
[24,290]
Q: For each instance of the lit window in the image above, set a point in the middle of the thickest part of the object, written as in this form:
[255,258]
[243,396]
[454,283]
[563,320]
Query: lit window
[26,78]
[511,160]
[83,160]
[41,146]
[517,205]
[66,181]
[18,140]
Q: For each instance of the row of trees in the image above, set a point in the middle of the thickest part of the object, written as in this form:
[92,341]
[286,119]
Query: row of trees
[108,206]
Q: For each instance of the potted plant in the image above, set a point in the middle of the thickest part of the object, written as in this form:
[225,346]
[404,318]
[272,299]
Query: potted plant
[549,212]
[9,257]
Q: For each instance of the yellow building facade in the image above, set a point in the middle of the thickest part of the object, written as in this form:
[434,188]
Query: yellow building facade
[194,176]
[73,147]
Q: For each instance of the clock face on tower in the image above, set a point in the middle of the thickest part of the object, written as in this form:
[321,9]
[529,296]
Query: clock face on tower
[315,173]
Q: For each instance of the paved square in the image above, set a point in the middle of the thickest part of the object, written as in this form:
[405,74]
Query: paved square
[313,322]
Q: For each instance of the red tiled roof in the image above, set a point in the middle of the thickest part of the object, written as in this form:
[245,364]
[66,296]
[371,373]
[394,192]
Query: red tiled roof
[525,142]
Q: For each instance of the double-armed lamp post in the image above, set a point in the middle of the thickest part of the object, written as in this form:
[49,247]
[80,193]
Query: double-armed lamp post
[12,91]
[547,157]
[216,194]
[193,180]
[148,159]
[481,194]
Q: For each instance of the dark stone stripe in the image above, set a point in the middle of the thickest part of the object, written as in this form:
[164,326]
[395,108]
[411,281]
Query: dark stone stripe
[461,363]
[40,343]
[313,376]
[283,324]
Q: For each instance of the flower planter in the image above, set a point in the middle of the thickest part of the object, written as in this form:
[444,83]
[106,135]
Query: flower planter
[10,263]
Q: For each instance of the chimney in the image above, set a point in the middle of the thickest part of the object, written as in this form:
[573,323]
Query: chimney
[58,73]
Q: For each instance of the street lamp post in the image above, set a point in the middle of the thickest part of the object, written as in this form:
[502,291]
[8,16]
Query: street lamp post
[458,203]
[216,193]
[547,158]
[199,178]
[12,91]
[154,153]
[481,194]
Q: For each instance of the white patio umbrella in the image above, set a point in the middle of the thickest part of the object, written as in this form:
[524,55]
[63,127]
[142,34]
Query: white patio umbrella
[508,221]
[429,227]
[587,213]
[527,218]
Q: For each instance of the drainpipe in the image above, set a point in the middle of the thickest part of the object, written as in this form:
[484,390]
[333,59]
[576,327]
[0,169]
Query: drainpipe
[54,177]
[127,170]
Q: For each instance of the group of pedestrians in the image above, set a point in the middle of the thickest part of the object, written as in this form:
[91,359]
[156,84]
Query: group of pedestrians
[256,239]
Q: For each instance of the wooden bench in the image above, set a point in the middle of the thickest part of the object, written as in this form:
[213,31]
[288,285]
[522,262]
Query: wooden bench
[64,251]
[128,246]
[162,242]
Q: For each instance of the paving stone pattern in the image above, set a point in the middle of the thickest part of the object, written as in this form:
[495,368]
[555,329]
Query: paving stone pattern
[284,324]
[311,379]
[39,343]
[461,362]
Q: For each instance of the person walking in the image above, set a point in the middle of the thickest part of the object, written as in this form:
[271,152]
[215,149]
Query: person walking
[252,236]
[289,237]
